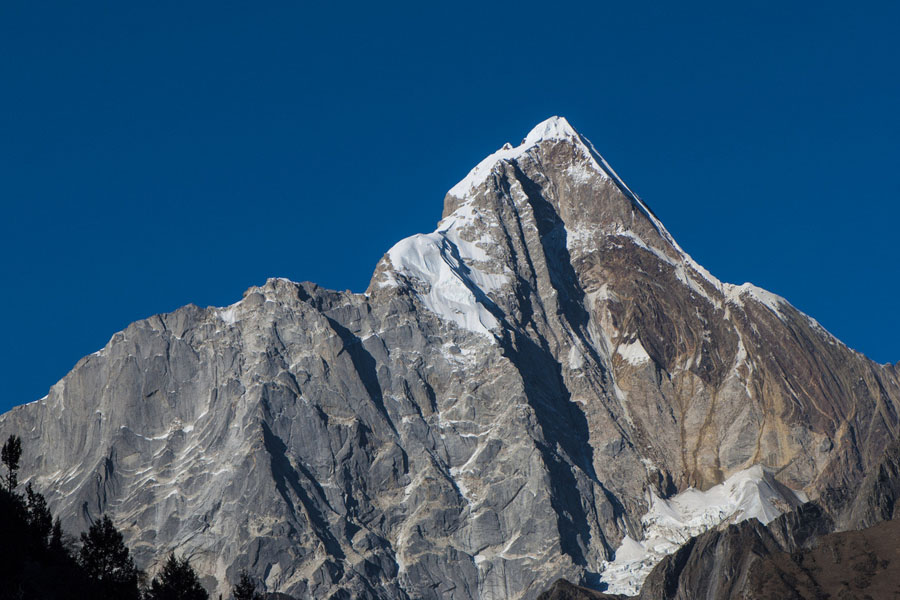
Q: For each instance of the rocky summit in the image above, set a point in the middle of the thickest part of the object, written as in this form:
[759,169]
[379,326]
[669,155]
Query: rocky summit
[543,380]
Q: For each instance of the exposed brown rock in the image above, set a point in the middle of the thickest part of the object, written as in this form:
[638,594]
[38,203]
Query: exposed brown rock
[847,565]
[564,590]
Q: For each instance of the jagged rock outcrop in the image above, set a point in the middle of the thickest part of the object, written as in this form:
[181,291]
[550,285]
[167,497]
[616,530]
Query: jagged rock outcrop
[854,565]
[786,557]
[719,564]
[876,499]
[491,415]
[565,590]
[795,557]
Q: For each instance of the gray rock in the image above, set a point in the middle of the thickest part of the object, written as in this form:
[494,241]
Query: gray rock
[487,418]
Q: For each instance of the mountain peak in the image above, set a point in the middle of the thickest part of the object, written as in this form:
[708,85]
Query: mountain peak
[553,129]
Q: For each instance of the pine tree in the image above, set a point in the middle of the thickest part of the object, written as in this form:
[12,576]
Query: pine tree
[56,538]
[56,546]
[10,455]
[107,562]
[34,559]
[176,581]
[39,518]
[246,589]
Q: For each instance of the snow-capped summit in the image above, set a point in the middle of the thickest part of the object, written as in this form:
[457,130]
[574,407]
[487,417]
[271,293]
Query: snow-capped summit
[552,129]
[519,393]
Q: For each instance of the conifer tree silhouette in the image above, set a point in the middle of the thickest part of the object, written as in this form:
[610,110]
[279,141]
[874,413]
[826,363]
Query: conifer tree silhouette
[107,562]
[176,581]
[10,455]
[246,589]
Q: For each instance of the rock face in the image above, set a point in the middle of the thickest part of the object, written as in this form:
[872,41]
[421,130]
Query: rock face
[877,498]
[851,564]
[753,494]
[725,563]
[491,415]
[795,557]
[798,555]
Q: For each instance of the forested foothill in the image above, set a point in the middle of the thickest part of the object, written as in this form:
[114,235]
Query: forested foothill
[39,561]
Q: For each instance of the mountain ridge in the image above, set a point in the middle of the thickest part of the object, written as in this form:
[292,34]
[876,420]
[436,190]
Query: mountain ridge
[491,415]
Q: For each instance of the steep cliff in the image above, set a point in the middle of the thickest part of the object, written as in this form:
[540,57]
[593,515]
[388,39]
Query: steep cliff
[498,410]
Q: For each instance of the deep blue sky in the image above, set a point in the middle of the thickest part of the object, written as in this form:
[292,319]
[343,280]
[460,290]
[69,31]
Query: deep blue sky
[156,154]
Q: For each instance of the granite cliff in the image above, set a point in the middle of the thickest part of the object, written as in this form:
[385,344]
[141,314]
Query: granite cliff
[501,407]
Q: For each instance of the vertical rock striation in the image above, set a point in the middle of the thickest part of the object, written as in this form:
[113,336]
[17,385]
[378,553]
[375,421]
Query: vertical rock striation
[492,414]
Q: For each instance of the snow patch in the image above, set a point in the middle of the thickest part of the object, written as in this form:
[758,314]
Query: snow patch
[473,253]
[456,270]
[752,493]
[227,315]
[449,289]
[576,359]
[456,267]
[38,401]
[633,353]
[736,294]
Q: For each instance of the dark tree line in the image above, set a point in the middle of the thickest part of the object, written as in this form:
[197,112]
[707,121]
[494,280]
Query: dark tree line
[38,561]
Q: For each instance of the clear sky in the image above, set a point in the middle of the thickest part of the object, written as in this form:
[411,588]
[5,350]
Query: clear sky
[157,154]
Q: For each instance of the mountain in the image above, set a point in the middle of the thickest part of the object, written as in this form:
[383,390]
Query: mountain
[510,398]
